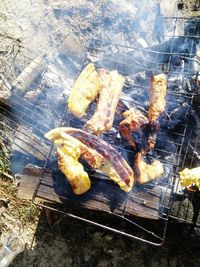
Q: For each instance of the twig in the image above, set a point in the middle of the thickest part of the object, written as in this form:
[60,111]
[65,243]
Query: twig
[8,176]
[4,148]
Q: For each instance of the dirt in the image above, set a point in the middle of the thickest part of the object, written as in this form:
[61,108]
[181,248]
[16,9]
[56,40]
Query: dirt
[65,241]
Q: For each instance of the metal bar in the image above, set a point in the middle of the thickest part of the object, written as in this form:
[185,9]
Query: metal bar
[108,228]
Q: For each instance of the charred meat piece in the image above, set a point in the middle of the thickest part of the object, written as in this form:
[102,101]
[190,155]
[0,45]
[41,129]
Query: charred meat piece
[97,153]
[144,172]
[158,92]
[85,90]
[153,130]
[190,176]
[134,122]
[109,96]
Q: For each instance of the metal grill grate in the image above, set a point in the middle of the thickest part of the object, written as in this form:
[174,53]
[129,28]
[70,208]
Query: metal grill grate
[188,206]
[24,122]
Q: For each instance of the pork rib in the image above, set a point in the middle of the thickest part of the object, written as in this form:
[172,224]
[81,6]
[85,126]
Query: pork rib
[103,118]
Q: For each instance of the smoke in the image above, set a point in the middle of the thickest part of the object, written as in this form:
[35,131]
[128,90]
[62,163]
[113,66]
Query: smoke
[59,33]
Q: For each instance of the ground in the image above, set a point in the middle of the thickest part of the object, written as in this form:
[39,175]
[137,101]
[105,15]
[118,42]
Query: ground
[64,241]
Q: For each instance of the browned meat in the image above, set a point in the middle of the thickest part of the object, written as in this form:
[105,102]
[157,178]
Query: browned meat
[157,105]
[96,152]
[109,96]
[134,121]
[157,101]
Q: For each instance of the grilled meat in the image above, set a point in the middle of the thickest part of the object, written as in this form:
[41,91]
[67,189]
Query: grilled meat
[73,169]
[157,105]
[134,121]
[69,152]
[103,118]
[85,90]
[144,172]
[108,152]
[190,176]
[157,97]
[97,153]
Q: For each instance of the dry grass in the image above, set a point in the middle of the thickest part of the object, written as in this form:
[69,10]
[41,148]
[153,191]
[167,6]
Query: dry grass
[22,210]
[18,211]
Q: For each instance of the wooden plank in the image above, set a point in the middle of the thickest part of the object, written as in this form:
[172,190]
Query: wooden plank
[103,195]
[29,180]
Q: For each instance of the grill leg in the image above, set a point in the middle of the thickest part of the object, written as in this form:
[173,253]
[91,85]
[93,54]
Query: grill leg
[48,214]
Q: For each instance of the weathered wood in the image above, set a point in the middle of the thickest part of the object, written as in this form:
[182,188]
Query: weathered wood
[29,182]
[104,194]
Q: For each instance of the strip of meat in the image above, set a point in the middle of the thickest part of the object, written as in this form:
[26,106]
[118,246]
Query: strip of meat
[107,151]
[109,96]
[85,90]
[144,172]
[111,163]
[94,159]
[157,105]
[68,155]
[157,101]
[134,121]
[190,176]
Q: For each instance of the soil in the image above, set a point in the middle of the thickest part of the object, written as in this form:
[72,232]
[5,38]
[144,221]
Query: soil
[57,240]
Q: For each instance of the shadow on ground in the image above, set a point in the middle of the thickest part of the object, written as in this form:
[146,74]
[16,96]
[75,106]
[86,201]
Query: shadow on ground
[72,243]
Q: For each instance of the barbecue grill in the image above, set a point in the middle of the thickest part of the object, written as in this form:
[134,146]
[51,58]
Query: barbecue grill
[142,214]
